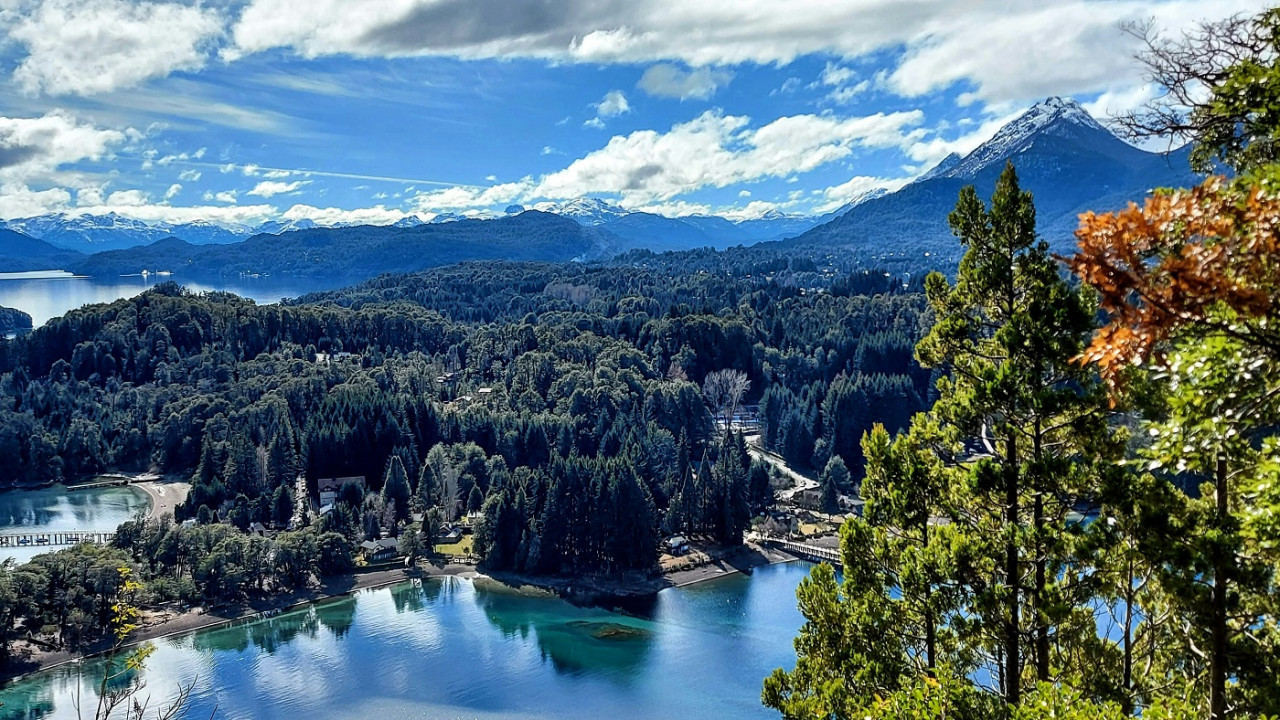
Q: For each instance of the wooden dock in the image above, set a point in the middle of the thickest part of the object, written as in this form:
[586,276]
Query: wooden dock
[815,553]
[54,538]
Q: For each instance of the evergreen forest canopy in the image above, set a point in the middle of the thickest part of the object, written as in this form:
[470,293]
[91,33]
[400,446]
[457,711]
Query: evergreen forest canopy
[564,403]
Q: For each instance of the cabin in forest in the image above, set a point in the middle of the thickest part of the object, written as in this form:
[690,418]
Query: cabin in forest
[676,545]
[329,487]
[379,550]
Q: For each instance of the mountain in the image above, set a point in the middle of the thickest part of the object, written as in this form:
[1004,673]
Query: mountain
[1066,159]
[585,210]
[94,233]
[365,251]
[22,253]
[277,227]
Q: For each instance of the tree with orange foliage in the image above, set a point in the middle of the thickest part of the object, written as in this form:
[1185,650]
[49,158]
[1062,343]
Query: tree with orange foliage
[1190,283]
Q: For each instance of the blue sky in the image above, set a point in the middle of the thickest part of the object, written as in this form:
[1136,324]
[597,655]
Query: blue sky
[237,112]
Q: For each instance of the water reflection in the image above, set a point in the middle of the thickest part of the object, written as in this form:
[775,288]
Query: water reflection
[48,295]
[575,640]
[452,648]
[55,508]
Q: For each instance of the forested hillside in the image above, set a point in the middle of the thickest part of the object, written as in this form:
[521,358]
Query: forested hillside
[546,394]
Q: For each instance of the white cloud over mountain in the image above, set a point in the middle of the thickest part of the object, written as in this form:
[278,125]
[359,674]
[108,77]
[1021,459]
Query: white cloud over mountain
[716,150]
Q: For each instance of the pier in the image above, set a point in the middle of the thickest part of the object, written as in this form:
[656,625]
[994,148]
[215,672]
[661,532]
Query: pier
[815,553]
[52,538]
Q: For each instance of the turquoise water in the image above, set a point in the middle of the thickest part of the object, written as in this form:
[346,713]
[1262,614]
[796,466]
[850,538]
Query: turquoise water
[450,648]
[53,508]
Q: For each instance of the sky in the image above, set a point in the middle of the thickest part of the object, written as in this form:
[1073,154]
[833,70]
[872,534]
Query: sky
[240,111]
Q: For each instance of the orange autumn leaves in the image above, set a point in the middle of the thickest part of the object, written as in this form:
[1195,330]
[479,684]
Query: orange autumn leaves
[1206,258]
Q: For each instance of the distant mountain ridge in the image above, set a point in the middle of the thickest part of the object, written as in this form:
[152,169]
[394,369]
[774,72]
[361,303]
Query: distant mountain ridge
[364,251]
[1062,155]
[22,253]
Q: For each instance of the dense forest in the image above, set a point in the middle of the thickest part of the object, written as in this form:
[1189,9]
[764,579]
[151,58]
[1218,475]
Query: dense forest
[12,321]
[572,406]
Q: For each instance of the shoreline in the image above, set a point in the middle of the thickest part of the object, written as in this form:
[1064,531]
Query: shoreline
[575,590]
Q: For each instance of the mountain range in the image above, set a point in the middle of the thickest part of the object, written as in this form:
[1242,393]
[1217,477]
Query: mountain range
[1067,159]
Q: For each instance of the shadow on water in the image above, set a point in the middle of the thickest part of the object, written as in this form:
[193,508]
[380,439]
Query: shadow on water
[576,641]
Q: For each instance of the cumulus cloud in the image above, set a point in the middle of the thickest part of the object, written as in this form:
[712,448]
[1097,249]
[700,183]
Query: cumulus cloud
[1007,51]
[716,150]
[838,195]
[666,80]
[376,215]
[459,197]
[271,188]
[82,47]
[173,191]
[33,148]
[613,104]
[189,175]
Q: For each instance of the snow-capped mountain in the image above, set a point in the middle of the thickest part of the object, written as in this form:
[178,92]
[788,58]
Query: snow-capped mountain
[585,210]
[1068,161]
[95,233]
[276,227]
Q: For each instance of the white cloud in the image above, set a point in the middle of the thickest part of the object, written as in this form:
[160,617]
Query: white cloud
[613,104]
[666,80]
[836,75]
[127,198]
[34,148]
[18,200]
[276,174]
[472,197]
[229,167]
[837,195]
[221,214]
[271,188]
[716,150]
[1012,51]
[83,47]
[228,196]
[189,175]
[377,215]
[675,208]
[249,170]
[173,191]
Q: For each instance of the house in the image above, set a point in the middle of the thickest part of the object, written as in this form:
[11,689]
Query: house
[329,487]
[379,550]
[258,528]
[450,534]
[676,545]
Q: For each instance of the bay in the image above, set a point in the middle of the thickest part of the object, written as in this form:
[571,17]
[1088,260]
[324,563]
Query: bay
[54,508]
[453,648]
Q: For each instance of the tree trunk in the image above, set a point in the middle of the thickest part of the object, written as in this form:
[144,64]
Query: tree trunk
[1218,654]
[1012,637]
[930,629]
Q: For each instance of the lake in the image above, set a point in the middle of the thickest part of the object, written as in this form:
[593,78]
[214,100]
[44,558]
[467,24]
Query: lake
[451,648]
[54,508]
[50,294]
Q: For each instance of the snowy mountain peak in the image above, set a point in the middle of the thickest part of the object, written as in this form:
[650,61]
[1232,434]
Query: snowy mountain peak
[1057,116]
[947,164]
[585,210]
